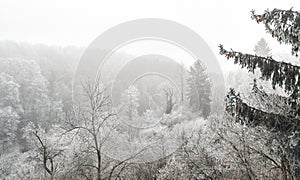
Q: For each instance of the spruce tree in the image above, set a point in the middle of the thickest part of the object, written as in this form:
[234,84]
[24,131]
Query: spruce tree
[284,25]
[199,89]
[262,48]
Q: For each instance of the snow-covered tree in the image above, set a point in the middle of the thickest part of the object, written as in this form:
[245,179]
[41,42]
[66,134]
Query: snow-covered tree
[10,110]
[9,120]
[95,124]
[284,25]
[32,88]
[47,149]
[130,102]
[262,48]
[199,89]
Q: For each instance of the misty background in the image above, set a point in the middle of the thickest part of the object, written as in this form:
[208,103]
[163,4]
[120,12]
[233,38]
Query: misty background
[44,134]
[77,23]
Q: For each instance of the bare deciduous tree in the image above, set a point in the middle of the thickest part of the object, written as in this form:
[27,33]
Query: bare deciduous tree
[169,93]
[95,122]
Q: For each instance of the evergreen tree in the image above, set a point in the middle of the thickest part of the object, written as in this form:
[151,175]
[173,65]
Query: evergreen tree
[285,124]
[262,48]
[199,89]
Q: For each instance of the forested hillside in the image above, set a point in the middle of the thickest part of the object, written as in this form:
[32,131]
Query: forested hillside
[140,124]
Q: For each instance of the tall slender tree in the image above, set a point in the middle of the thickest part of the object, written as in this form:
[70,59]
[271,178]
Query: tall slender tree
[199,89]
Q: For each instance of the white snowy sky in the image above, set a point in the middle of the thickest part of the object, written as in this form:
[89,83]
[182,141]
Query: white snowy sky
[73,22]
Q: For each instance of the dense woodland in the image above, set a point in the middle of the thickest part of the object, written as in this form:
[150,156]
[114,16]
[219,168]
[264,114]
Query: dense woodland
[250,132]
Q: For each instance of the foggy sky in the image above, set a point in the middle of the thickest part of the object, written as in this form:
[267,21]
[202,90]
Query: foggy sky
[77,23]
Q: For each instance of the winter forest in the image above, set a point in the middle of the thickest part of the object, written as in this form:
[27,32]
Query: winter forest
[181,125]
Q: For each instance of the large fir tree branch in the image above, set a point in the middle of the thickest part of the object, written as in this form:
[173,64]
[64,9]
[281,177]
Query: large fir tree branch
[283,25]
[270,102]
[276,103]
[256,117]
[282,73]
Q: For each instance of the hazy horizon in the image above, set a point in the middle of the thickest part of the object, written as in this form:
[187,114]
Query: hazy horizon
[69,23]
